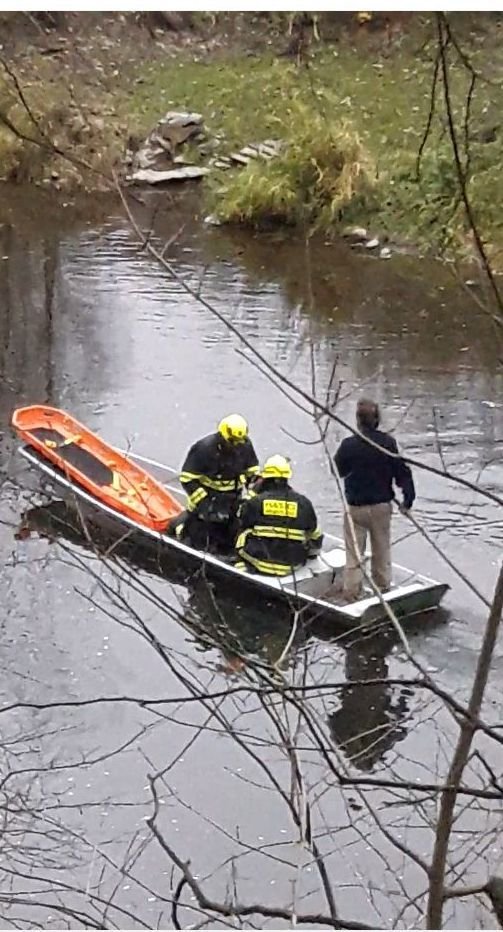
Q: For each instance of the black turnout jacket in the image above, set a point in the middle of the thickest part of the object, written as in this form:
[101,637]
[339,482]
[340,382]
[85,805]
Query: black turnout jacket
[216,469]
[279,529]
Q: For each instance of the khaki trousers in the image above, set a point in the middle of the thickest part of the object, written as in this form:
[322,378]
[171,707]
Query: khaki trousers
[374,520]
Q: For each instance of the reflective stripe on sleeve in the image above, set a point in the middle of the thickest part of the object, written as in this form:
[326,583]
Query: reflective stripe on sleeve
[196,497]
[242,538]
[189,476]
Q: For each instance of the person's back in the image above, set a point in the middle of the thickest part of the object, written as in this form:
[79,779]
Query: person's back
[369,470]
[279,529]
[369,465]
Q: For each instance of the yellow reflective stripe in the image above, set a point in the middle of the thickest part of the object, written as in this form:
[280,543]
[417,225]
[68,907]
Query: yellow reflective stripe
[316,534]
[196,497]
[188,476]
[263,566]
[242,538]
[286,533]
[279,508]
[217,485]
[252,470]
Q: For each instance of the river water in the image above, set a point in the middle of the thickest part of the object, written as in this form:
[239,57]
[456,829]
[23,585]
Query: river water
[91,324]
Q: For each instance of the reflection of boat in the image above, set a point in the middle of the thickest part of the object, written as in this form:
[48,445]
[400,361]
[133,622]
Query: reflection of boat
[143,506]
[370,715]
[239,628]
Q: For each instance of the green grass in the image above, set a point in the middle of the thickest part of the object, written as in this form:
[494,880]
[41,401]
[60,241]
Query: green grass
[322,172]
[384,100]
[372,101]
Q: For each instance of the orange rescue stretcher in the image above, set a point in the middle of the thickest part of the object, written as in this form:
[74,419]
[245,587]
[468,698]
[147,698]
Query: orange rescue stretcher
[109,475]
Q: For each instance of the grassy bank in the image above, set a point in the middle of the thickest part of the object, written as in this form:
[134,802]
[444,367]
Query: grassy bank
[385,101]
[374,95]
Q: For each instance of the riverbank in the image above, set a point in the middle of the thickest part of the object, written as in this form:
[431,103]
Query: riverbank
[98,89]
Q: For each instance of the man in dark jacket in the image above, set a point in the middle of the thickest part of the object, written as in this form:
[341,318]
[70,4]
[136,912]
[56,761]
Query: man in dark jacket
[369,465]
[279,529]
[213,475]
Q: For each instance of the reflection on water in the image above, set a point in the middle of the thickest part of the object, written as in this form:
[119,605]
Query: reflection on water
[89,323]
[369,720]
[249,629]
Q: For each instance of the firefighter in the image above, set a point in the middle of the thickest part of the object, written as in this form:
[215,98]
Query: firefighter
[278,526]
[215,471]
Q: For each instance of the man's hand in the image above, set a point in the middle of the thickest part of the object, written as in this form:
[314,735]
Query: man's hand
[404,508]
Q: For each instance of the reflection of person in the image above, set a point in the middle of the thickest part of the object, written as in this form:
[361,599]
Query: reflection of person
[241,632]
[278,526]
[212,476]
[239,628]
[368,474]
[368,722]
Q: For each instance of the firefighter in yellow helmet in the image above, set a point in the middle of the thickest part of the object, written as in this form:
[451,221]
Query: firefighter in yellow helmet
[279,528]
[213,475]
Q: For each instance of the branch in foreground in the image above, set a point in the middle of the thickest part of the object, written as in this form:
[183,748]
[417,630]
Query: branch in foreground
[444,37]
[297,390]
[238,909]
[467,730]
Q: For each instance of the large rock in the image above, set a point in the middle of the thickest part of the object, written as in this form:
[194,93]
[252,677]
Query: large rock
[150,176]
[159,149]
[156,160]
[177,127]
[355,234]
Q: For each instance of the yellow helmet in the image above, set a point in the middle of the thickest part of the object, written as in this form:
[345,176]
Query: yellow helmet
[276,467]
[233,428]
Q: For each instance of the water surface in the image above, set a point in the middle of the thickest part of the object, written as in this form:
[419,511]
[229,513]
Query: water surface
[91,324]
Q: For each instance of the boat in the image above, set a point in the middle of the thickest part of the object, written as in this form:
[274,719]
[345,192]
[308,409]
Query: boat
[112,487]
